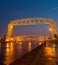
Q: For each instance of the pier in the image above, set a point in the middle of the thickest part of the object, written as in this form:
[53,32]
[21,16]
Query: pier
[37,57]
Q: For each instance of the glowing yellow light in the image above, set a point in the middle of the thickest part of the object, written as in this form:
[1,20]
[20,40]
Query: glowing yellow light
[49,51]
[9,53]
[11,44]
[7,45]
[7,39]
[53,38]
[11,39]
[40,43]
[50,29]
[11,26]
[29,46]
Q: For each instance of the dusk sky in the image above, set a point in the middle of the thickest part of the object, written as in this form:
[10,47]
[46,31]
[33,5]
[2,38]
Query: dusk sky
[17,9]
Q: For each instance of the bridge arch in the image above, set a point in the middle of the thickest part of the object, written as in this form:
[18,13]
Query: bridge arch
[31,21]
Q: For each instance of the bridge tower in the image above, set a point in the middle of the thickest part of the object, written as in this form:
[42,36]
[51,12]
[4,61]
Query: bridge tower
[52,28]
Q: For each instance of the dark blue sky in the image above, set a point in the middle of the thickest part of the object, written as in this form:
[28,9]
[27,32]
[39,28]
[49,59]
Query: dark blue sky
[16,9]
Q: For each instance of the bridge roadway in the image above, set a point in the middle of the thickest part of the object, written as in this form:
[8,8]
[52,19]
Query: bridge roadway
[38,56]
[32,38]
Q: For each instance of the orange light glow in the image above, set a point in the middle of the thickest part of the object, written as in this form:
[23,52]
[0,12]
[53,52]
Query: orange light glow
[29,46]
[50,29]
[9,54]
[12,39]
[7,45]
[40,43]
[50,51]
[7,40]
[11,26]
[20,45]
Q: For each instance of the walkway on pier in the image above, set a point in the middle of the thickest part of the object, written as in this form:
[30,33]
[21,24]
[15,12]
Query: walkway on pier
[39,56]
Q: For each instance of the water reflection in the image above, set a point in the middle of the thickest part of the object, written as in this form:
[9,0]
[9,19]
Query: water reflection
[20,45]
[13,50]
[29,46]
[9,53]
[49,57]
[49,52]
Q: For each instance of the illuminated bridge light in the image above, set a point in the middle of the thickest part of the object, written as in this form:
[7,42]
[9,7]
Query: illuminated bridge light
[7,40]
[50,29]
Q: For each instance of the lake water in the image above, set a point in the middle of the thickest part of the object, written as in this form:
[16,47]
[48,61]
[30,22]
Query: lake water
[14,50]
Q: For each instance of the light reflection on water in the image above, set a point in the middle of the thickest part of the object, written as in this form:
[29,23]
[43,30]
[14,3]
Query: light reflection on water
[50,55]
[11,51]
[29,46]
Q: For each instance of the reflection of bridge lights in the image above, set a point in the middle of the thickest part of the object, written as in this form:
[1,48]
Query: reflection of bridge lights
[29,46]
[11,46]
[20,45]
[50,52]
[9,53]
[7,47]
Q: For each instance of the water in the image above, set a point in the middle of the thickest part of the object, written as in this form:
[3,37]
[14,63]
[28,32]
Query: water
[14,50]
[11,51]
